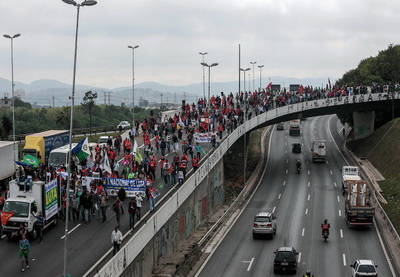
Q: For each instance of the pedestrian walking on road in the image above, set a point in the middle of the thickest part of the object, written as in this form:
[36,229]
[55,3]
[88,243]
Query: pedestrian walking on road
[24,248]
[116,239]
[117,208]
[132,213]
[122,197]
[139,200]
[198,151]
[103,205]
[39,224]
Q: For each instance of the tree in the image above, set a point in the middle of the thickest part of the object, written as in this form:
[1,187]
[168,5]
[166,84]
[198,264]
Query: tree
[63,117]
[88,104]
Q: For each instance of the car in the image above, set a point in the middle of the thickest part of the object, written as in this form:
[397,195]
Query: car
[364,268]
[285,259]
[296,147]
[123,125]
[279,126]
[264,223]
[102,140]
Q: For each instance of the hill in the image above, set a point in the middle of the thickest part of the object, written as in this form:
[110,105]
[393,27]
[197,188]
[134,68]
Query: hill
[381,149]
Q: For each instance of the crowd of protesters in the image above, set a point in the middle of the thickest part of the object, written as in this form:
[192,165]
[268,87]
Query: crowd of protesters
[174,136]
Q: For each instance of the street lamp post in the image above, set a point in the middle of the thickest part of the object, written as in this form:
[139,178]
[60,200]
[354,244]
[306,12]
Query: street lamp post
[133,88]
[78,6]
[253,63]
[12,92]
[204,88]
[161,102]
[260,67]
[209,66]
[244,77]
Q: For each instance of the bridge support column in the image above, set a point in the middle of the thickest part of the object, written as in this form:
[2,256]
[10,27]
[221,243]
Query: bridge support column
[364,124]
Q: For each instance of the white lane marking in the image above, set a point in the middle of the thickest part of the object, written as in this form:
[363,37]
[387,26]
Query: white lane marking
[308,198]
[3,236]
[284,183]
[286,151]
[306,211]
[279,196]
[340,213]
[308,184]
[285,142]
[302,232]
[287,161]
[331,172]
[338,199]
[334,183]
[308,172]
[344,259]
[341,233]
[273,210]
[299,258]
[71,230]
[250,263]
[327,162]
[287,171]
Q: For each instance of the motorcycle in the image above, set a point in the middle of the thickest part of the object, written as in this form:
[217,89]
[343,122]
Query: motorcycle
[298,169]
[325,235]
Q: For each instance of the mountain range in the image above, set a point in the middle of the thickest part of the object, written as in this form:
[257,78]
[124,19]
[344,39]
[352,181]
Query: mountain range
[46,92]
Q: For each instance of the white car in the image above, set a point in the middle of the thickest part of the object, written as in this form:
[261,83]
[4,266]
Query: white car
[123,125]
[102,141]
[364,268]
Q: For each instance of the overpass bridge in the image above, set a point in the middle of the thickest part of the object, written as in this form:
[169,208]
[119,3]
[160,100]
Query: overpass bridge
[202,193]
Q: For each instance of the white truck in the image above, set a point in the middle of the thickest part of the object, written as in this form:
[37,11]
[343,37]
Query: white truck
[349,173]
[18,208]
[7,163]
[318,150]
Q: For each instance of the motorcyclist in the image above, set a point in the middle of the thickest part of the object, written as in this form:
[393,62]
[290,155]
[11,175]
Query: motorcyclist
[308,274]
[325,227]
[298,165]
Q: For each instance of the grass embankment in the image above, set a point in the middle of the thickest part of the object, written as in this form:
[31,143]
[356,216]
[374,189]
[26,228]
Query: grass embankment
[382,149]
[234,180]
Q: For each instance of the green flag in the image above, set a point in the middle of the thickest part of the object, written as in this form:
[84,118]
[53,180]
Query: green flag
[31,160]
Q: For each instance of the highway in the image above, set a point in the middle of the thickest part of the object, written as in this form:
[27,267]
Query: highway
[87,243]
[301,203]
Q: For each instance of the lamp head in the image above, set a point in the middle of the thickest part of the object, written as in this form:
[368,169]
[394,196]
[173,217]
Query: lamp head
[89,3]
[214,64]
[70,2]
[204,64]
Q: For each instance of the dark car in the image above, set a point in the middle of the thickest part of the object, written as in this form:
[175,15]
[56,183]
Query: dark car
[279,126]
[285,260]
[296,147]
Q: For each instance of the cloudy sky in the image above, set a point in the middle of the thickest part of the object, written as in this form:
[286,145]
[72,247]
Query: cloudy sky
[291,38]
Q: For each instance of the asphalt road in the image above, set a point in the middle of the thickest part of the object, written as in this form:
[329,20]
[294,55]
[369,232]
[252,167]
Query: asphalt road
[301,203]
[87,243]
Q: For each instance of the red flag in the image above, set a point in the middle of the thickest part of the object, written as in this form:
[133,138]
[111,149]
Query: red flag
[301,89]
[269,85]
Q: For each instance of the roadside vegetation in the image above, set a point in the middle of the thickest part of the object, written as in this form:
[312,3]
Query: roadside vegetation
[382,149]
[30,120]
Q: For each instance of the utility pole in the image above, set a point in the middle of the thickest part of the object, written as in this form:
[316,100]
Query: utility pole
[53,100]
[105,98]
[109,98]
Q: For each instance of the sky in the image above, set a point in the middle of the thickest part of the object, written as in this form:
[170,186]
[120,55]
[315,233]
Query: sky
[290,38]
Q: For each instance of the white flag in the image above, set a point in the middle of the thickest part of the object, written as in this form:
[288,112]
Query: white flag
[106,164]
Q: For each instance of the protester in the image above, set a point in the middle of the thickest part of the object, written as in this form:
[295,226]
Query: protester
[116,239]
[132,213]
[24,248]
[39,224]
[139,201]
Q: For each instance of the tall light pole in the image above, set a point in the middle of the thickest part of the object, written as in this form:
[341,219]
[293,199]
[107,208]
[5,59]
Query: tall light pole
[244,77]
[260,67]
[253,63]
[133,87]
[209,67]
[204,88]
[12,92]
[161,102]
[84,3]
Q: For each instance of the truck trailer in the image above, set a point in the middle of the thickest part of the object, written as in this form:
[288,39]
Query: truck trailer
[7,163]
[318,150]
[358,209]
[40,145]
[349,173]
[18,208]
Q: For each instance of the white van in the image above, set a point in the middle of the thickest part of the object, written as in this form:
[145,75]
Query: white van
[59,156]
